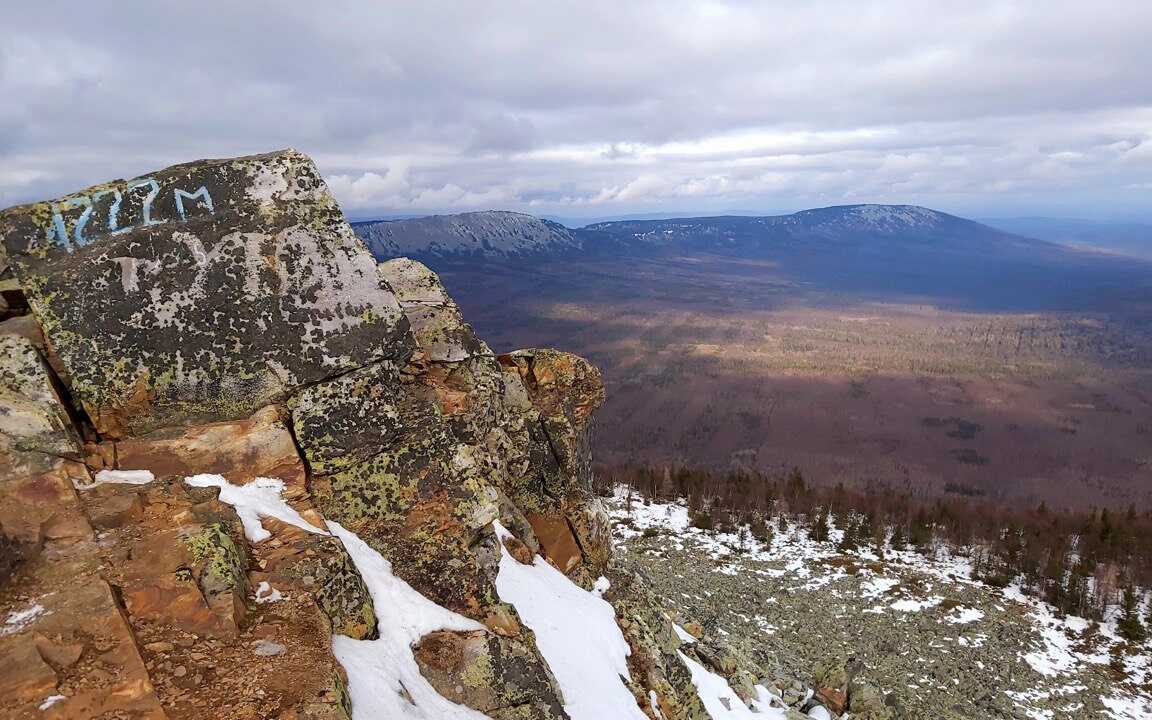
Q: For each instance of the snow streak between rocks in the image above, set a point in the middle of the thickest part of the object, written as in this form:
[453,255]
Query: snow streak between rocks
[577,634]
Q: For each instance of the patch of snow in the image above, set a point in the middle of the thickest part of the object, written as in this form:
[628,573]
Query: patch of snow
[18,619]
[259,498]
[720,700]
[1127,707]
[977,641]
[1058,638]
[685,636]
[767,702]
[601,586]
[964,615]
[384,680]
[820,713]
[50,701]
[878,586]
[117,477]
[265,593]
[909,605]
[577,634]
[267,648]
[654,703]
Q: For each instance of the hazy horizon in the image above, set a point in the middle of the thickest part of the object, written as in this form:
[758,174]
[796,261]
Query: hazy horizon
[359,216]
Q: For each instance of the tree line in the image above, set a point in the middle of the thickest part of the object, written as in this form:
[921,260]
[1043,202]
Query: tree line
[1081,561]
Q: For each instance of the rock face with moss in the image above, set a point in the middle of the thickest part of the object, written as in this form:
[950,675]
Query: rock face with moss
[201,292]
[221,317]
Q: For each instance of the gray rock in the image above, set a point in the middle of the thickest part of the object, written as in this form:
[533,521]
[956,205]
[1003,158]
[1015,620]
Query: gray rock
[866,702]
[203,291]
[264,648]
[441,333]
[32,418]
[501,677]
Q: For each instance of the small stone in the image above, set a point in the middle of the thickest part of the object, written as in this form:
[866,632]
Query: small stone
[179,671]
[518,550]
[59,655]
[159,647]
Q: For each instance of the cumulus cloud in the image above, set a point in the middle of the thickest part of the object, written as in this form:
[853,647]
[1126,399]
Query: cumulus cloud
[597,107]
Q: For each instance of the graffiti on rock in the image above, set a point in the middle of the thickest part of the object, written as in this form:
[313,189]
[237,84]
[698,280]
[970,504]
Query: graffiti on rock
[143,192]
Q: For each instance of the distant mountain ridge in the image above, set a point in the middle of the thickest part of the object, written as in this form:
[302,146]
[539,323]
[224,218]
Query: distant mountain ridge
[500,234]
[857,226]
[490,233]
[1125,238]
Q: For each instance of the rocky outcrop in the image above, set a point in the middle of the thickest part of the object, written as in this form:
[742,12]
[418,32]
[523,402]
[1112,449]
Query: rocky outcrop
[501,677]
[39,450]
[221,318]
[654,664]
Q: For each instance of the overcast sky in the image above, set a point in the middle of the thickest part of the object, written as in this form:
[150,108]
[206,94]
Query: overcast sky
[590,109]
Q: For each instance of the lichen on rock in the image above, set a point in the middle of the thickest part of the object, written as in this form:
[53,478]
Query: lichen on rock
[201,292]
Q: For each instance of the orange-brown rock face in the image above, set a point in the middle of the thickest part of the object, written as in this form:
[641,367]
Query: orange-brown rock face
[557,393]
[65,637]
[243,450]
[559,384]
[557,542]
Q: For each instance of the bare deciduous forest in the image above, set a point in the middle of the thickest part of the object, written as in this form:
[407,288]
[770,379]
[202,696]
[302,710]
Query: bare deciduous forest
[1080,561]
[735,363]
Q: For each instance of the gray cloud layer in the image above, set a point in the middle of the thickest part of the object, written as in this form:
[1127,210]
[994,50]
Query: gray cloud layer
[599,108]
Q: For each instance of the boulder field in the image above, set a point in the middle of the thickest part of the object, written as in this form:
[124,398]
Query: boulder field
[203,367]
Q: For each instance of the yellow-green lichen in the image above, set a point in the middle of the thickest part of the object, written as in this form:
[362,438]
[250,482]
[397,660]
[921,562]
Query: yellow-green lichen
[220,562]
[478,673]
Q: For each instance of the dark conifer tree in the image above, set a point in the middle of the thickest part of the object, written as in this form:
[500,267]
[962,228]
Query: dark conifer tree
[1130,626]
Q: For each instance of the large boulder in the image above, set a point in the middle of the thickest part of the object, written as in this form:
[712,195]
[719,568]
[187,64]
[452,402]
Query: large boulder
[387,467]
[503,678]
[201,292]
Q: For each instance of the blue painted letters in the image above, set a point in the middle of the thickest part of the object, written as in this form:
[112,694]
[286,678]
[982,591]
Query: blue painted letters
[202,193]
[57,232]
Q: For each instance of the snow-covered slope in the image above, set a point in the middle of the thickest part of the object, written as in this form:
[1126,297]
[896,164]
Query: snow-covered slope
[919,627]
